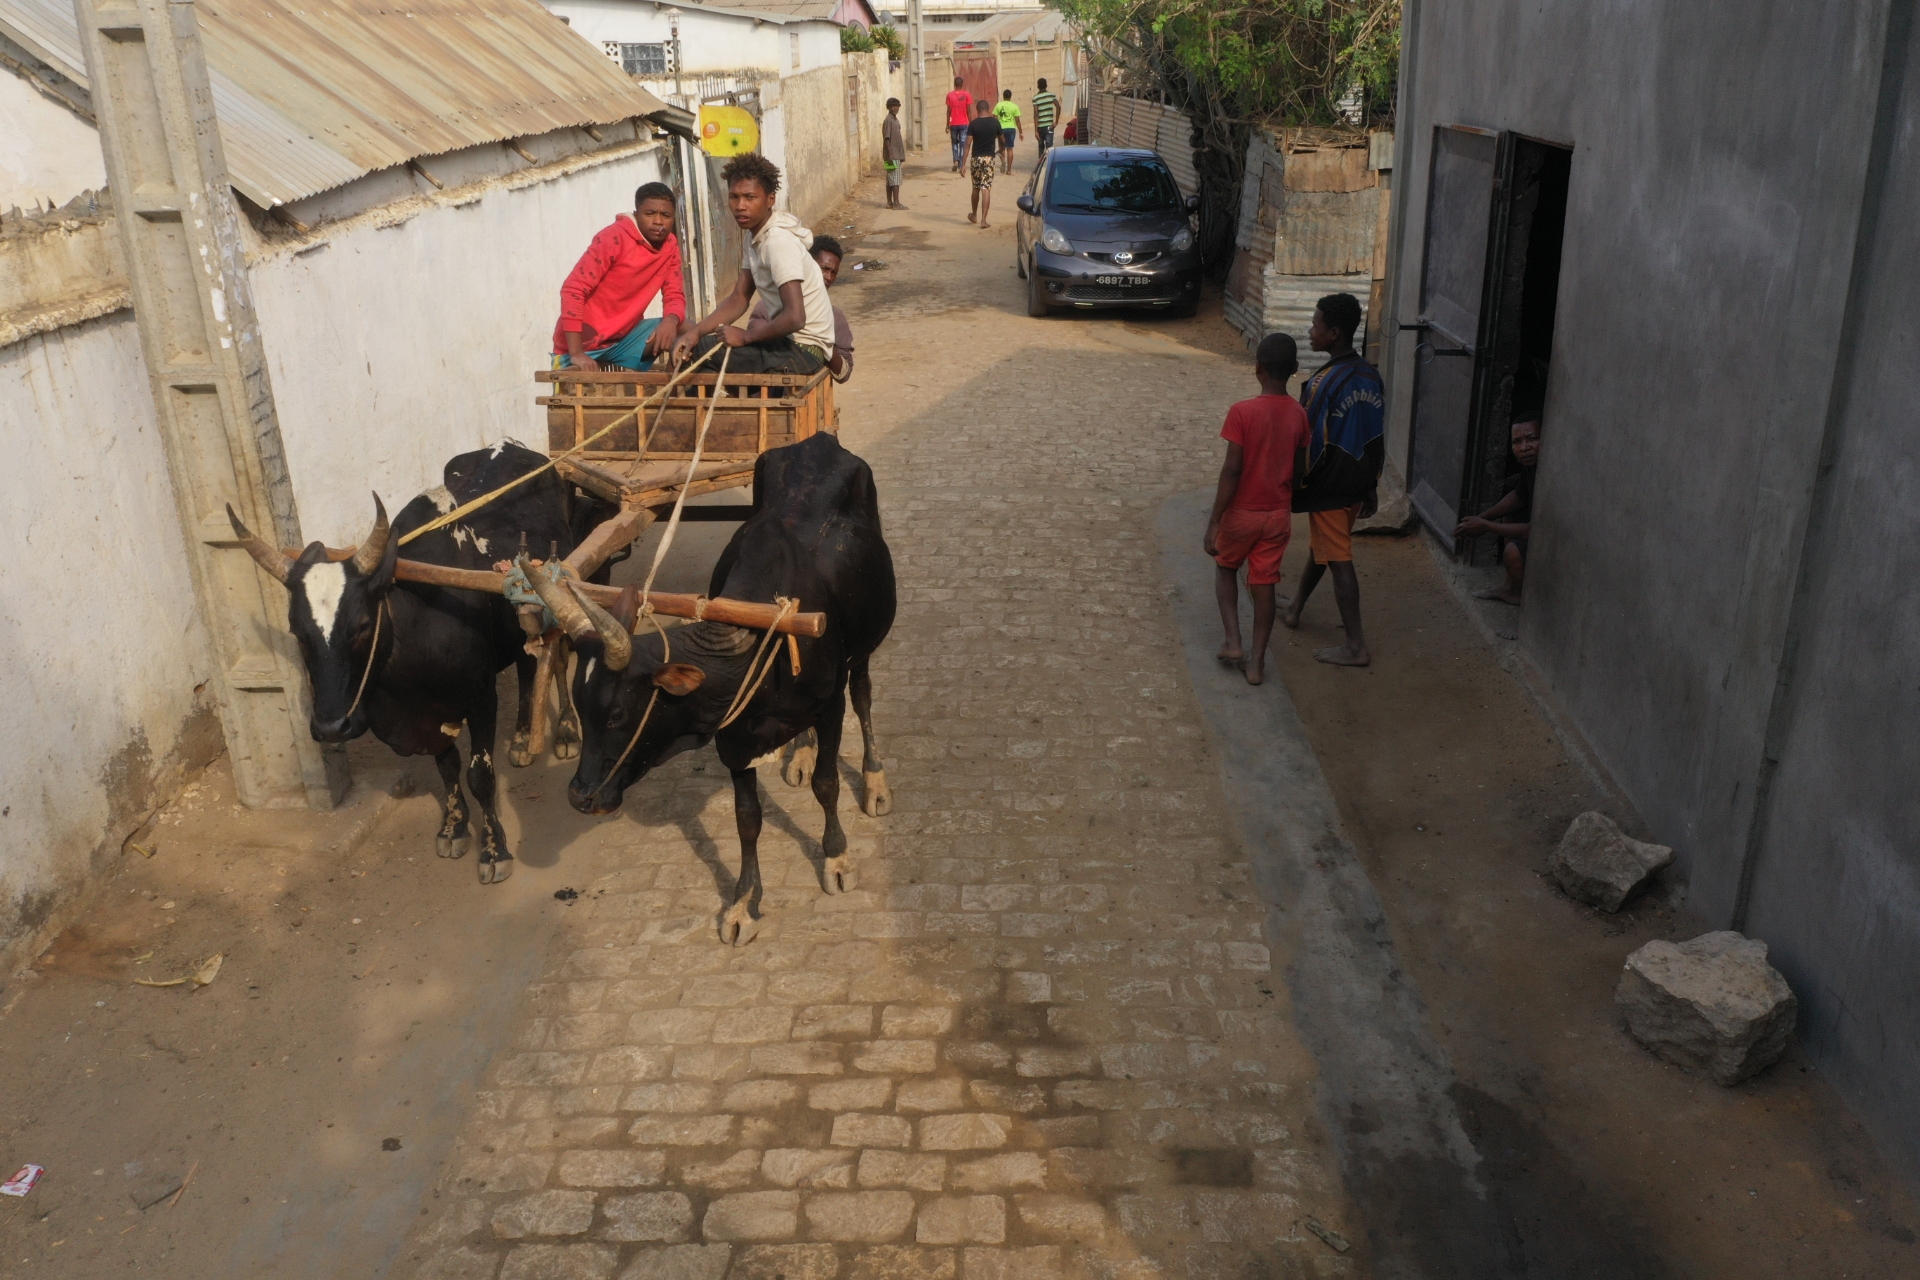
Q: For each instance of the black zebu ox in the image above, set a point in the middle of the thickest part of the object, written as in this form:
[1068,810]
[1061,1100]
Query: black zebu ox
[439,649]
[814,537]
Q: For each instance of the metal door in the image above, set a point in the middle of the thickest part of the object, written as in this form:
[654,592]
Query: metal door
[981,74]
[1464,219]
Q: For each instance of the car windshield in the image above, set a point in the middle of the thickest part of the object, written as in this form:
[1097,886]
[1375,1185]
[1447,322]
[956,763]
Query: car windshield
[1118,186]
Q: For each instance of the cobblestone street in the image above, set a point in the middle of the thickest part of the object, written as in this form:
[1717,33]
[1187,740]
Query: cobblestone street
[1042,1037]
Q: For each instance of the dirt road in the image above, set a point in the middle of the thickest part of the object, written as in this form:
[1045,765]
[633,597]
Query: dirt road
[1057,1028]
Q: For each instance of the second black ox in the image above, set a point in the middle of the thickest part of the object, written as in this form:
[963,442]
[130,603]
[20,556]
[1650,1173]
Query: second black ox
[815,538]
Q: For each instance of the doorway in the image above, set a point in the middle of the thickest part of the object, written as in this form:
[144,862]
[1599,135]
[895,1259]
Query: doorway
[1490,280]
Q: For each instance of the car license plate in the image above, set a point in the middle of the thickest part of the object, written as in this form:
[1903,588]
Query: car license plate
[1123,281]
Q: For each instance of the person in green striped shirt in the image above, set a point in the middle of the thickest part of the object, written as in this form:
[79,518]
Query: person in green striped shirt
[1046,109]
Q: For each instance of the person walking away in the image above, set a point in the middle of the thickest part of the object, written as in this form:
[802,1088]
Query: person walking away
[625,267]
[1347,411]
[1511,517]
[1046,110]
[798,338]
[1252,518]
[959,116]
[825,251]
[983,139]
[893,152]
[1007,112]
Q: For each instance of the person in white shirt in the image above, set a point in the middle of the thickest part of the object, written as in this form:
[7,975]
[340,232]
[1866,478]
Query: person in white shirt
[827,252]
[797,337]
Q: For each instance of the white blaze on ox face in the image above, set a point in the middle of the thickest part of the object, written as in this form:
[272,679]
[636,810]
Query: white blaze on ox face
[324,584]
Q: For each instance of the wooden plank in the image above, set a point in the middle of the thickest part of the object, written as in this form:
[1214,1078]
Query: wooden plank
[608,537]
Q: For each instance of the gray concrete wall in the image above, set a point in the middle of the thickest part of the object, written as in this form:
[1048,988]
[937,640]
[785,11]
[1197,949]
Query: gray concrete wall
[1721,155]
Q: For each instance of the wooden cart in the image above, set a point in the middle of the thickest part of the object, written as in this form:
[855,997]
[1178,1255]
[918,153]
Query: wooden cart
[759,412]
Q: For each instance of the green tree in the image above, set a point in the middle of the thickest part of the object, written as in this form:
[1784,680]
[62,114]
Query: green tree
[854,39]
[889,38]
[1230,65]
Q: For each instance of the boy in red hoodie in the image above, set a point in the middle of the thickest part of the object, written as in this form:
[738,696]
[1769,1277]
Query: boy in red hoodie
[614,283]
[1252,517]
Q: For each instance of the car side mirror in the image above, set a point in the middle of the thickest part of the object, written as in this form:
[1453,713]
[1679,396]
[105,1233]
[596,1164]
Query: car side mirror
[1024,203]
[1193,204]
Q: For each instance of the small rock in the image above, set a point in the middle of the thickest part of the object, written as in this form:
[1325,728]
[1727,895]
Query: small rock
[1599,864]
[1712,1005]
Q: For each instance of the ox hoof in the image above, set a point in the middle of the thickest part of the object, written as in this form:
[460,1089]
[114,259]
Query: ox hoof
[450,846]
[798,771]
[566,740]
[520,751]
[876,797]
[737,925]
[496,871]
[838,876]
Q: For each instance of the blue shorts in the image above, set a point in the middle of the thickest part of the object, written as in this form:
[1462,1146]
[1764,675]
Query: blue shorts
[629,352]
[1007,138]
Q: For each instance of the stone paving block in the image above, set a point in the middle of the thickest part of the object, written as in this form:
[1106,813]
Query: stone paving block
[506,1172]
[680,1131]
[459,1264]
[542,1069]
[1012,1171]
[1042,1262]
[804,1167]
[664,1216]
[629,1064]
[560,1262]
[753,1026]
[753,1215]
[1041,1062]
[962,1220]
[864,1094]
[980,1056]
[900,1262]
[912,1022]
[544,1213]
[1063,1217]
[996,1096]
[968,1131]
[1240,1216]
[786,1262]
[611,1168]
[586,1030]
[723,990]
[647,991]
[825,1020]
[1029,988]
[738,1170]
[897,1056]
[943,1093]
[871,1131]
[861,1217]
[680,1262]
[807,988]
[687,1098]
[798,1058]
[710,1062]
[760,1095]
[671,1026]
[879,1168]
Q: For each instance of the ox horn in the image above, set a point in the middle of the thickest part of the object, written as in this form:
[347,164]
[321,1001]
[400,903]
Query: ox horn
[373,548]
[268,558]
[619,644]
[561,604]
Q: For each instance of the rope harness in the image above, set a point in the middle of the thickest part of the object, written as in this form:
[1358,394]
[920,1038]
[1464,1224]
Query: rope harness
[373,655]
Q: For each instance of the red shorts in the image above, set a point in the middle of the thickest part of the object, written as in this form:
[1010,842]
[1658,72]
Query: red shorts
[1256,539]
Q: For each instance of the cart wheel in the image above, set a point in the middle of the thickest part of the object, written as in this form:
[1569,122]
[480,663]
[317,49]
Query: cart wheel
[1036,300]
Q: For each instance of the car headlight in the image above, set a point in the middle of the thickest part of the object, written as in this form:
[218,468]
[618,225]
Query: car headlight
[1182,240]
[1054,241]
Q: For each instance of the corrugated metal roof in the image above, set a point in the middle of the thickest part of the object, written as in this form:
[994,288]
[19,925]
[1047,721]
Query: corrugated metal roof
[312,97]
[837,11]
[1026,26]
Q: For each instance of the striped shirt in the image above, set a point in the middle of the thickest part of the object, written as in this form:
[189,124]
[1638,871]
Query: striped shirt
[1045,108]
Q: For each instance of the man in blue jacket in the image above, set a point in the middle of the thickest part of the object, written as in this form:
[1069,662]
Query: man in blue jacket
[1346,409]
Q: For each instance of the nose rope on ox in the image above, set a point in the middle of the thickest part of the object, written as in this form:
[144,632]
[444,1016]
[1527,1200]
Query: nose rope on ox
[373,656]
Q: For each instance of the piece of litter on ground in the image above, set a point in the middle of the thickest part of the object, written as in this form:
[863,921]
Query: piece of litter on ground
[143,959]
[566,895]
[166,906]
[22,1182]
[184,1184]
[389,1144]
[1334,1240]
[209,969]
[356,919]
[155,1189]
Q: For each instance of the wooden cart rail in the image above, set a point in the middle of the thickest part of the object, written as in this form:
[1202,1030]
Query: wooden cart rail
[763,411]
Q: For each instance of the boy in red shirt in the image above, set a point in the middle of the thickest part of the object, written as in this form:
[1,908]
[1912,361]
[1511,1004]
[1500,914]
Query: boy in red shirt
[616,280]
[959,116]
[1253,509]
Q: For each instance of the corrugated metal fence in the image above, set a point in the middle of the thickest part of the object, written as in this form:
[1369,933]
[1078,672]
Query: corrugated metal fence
[1120,121]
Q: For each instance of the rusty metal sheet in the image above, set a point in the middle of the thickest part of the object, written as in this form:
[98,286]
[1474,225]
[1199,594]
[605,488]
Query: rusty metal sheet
[1337,169]
[310,98]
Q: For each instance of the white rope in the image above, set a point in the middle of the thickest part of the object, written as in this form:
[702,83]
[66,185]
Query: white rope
[680,499]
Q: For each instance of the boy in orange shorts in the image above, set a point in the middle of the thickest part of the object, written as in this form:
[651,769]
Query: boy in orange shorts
[1253,507]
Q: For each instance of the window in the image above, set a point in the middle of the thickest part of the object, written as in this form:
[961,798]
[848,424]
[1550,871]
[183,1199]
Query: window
[793,45]
[643,59]
[1124,186]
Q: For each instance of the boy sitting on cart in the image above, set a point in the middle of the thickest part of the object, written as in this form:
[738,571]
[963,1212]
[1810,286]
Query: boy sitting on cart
[798,336]
[627,266]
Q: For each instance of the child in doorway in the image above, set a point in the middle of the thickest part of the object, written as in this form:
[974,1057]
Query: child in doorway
[1007,111]
[1511,517]
[1253,506]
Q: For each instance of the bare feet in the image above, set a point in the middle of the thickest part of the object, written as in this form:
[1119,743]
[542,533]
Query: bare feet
[970,217]
[984,227]
[1256,676]
[1343,656]
[1289,614]
[1505,595]
[1230,655]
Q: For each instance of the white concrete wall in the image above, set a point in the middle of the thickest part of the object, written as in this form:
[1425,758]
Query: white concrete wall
[105,652]
[47,153]
[401,337]
[710,43]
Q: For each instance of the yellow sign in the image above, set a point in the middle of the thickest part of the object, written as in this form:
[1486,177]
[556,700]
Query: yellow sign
[728,131]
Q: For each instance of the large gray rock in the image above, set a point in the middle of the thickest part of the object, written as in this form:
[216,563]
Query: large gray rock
[1600,864]
[1712,1005]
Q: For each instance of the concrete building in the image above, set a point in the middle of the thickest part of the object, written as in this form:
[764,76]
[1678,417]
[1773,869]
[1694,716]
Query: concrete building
[1691,236]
